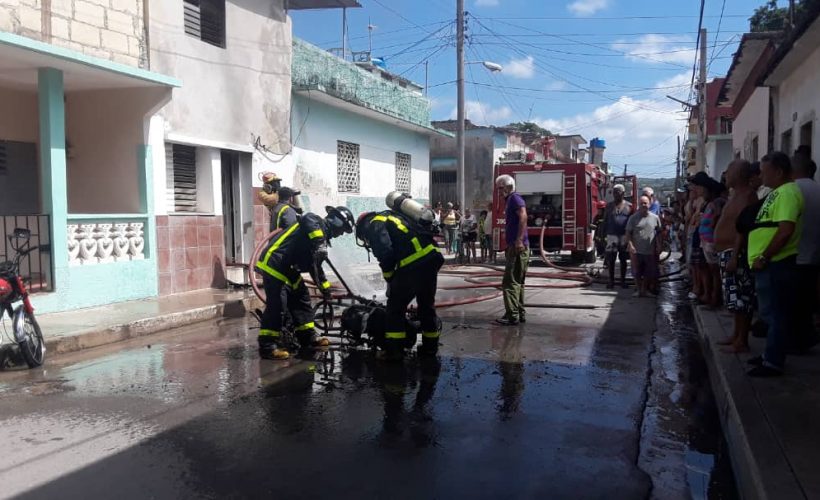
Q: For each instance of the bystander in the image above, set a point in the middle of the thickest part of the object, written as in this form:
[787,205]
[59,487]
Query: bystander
[517,253]
[642,239]
[773,247]
[808,256]
[616,217]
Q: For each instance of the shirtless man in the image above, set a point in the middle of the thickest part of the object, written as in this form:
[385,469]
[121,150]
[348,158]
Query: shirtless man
[694,255]
[736,277]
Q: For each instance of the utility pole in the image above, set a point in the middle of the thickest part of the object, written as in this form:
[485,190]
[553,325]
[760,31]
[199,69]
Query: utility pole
[426,73]
[701,157]
[462,197]
[344,33]
[678,171]
[624,169]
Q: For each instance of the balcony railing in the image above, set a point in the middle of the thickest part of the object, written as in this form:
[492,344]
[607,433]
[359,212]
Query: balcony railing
[36,267]
[317,69]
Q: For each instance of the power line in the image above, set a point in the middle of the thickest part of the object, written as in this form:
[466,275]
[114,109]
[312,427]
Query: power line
[529,18]
[394,11]
[717,33]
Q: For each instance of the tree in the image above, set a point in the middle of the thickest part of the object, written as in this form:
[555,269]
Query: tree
[770,17]
[529,128]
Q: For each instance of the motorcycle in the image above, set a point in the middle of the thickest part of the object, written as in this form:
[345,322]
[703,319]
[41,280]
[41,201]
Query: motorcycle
[26,332]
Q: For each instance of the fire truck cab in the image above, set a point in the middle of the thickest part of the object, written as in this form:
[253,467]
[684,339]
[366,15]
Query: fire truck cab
[562,197]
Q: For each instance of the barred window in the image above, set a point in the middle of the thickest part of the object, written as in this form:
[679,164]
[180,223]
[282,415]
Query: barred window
[205,19]
[403,172]
[180,164]
[347,166]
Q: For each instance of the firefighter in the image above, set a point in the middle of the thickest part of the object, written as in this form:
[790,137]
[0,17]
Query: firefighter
[280,200]
[302,247]
[410,262]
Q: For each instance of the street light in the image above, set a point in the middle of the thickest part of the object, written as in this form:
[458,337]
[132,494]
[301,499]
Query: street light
[494,67]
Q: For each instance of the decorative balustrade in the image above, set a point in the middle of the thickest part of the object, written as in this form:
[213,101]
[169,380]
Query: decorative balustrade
[93,242]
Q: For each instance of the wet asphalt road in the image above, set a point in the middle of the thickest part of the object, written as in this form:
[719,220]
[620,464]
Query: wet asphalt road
[574,404]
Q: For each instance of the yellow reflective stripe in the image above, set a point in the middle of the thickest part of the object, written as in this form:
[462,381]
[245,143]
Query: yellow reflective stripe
[416,256]
[416,244]
[306,326]
[279,215]
[296,283]
[316,234]
[263,332]
[395,335]
[279,241]
[387,274]
[325,285]
[276,274]
[395,220]
[431,335]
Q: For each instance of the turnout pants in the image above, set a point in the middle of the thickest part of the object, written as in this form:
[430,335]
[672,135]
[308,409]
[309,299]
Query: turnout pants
[298,303]
[417,282]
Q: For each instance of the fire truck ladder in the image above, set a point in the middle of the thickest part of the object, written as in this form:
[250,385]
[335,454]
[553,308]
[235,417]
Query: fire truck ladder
[569,212]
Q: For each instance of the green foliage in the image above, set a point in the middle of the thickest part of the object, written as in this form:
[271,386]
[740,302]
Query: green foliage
[529,127]
[769,17]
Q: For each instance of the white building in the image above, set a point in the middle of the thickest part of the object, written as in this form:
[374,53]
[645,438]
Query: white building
[748,101]
[228,123]
[793,80]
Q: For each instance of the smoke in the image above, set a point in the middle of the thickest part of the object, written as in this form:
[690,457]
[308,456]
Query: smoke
[363,279]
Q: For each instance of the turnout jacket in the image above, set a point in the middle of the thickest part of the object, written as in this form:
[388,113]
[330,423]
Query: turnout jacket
[397,243]
[293,251]
[282,216]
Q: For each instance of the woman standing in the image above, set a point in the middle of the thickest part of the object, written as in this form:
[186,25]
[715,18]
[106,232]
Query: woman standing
[450,222]
[469,234]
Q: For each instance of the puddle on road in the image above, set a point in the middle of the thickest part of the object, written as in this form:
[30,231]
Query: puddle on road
[681,423]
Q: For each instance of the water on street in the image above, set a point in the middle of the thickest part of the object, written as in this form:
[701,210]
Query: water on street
[608,402]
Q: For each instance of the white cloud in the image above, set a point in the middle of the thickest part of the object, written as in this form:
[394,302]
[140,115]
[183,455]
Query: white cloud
[485,114]
[659,48]
[520,68]
[587,7]
[556,85]
[633,135]
[486,3]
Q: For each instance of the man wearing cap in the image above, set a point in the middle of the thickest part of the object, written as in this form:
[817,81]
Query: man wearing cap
[616,217]
[655,205]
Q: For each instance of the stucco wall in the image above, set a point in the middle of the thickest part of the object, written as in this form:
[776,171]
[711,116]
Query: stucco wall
[230,94]
[798,95]
[750,122]
[105,130]
[482,148]
[18,120]
[313,164]
[718,156]
[109,29]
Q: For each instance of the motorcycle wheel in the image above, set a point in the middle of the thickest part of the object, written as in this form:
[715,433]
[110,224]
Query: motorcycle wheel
[33,348]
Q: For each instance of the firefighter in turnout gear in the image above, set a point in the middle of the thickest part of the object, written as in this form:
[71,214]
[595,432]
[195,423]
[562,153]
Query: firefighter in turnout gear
[302,247]
[410,262]
[284,212]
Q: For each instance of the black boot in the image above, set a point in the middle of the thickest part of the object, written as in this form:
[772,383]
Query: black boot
[428,347]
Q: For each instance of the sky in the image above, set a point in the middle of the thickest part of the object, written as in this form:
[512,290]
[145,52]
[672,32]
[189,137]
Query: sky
[599,68]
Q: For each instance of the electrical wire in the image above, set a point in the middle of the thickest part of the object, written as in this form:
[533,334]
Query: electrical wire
[717,33]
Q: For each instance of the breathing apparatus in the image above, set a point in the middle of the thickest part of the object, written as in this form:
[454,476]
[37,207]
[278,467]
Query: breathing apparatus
[415,211]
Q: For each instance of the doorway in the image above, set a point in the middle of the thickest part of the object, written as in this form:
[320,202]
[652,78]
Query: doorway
[237,206]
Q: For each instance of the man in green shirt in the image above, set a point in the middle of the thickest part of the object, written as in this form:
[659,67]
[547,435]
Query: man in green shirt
[773,247]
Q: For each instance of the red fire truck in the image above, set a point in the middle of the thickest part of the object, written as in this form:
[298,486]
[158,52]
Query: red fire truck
[564,197]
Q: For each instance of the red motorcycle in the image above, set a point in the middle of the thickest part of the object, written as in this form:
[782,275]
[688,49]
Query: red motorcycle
[26,331]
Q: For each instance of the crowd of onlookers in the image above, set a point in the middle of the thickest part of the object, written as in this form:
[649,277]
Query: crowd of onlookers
[751,243]
[463,231]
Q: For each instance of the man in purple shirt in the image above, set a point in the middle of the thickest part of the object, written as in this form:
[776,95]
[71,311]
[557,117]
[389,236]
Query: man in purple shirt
[517,253]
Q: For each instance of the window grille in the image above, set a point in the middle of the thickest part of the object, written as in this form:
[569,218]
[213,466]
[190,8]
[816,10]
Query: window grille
[180,164]
[347,166]
[403,172]
[205,19]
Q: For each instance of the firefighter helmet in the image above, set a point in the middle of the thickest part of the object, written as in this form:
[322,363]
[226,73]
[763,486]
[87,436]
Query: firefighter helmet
[341,218]
[362,225]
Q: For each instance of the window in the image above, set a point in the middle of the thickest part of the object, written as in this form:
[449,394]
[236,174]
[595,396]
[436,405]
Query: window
[403,172]
[443,177]
[180,165]
[806,132]
[205,19]
[755,150]
[347,166]
[786,142]
[725,125]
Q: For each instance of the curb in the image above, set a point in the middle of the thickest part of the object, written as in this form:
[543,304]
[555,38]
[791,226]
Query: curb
[761,469]
[95,337]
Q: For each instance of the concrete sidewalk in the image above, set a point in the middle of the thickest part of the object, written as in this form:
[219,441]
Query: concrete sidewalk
[86,328]
[771,425]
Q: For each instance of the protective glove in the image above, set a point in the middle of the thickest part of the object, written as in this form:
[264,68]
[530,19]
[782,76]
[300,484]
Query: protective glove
[320,255]
[387,290]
